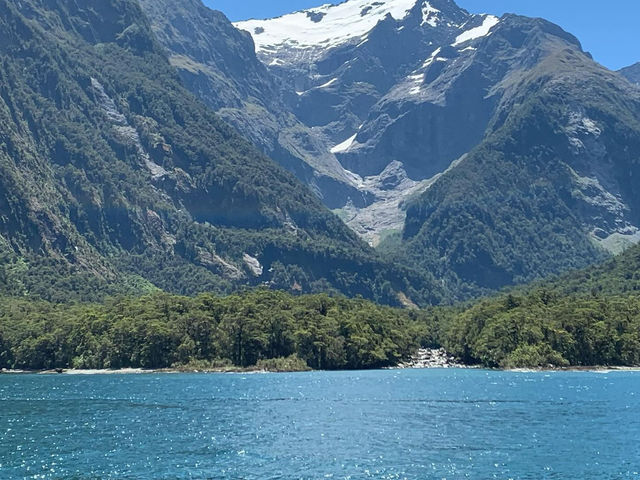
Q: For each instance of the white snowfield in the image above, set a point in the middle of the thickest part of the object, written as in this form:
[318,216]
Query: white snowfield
[327,25]
[483,30]
[344,146]
[429,15]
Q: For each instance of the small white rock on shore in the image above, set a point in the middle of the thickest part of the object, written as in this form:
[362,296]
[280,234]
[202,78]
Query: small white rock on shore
[432,358]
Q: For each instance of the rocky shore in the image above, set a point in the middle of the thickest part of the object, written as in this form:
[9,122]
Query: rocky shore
[432,358]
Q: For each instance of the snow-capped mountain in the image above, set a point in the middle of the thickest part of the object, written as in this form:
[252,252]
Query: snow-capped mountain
[473,150]
[406,91]
[341,60]
[307,35]
[310,32]
[344,64]
[487,150]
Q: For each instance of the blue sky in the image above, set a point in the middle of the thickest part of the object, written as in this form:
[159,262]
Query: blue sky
[610,30]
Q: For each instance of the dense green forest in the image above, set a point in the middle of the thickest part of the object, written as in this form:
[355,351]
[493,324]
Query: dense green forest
[584,318]
[587,317]
[162,330]
[541,327]
[546,328]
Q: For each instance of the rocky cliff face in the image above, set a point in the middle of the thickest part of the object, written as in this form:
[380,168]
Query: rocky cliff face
[359,71]
[341,60]
[218,63]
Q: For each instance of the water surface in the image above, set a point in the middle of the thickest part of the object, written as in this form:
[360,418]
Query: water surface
[394,424]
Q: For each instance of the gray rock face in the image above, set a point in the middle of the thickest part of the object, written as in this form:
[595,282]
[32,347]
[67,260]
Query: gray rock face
[128,134]
[432,358]
[373,80]
[253,264]
[393,190]
[359,55]
[631,73]
[218,64]
[441,109]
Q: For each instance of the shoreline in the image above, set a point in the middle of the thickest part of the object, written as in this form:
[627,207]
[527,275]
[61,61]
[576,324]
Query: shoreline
[136,371]
[247,371]
[593,369]
[424,359]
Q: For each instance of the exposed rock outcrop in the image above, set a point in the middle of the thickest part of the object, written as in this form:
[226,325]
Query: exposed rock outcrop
[432,358]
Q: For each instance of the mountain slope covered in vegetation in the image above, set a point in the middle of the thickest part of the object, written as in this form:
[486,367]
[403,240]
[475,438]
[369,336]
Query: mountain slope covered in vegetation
[114,178]
[585,318]
[550,188]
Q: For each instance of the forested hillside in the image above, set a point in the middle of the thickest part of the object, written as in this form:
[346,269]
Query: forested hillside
[161,330]
[586,318]
[114,178]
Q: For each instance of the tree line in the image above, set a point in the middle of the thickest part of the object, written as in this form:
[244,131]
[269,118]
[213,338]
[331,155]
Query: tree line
[538,328]
[161,330]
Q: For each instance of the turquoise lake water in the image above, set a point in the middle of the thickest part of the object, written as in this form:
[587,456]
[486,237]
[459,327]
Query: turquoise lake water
[393,424]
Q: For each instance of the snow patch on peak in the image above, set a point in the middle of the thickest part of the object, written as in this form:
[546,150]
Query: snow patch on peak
[483,30]
[414,82]
[324,26]
[344,146]
[329,83]
[434,57]
[417,81]
[324,85]
[429,15]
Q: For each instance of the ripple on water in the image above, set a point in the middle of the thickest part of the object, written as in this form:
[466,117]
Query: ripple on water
[411,424]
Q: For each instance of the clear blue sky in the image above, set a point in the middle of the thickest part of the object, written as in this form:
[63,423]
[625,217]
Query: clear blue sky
[610,30]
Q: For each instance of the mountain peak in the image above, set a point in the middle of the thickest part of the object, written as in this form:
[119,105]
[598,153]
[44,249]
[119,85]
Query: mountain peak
[321,28]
